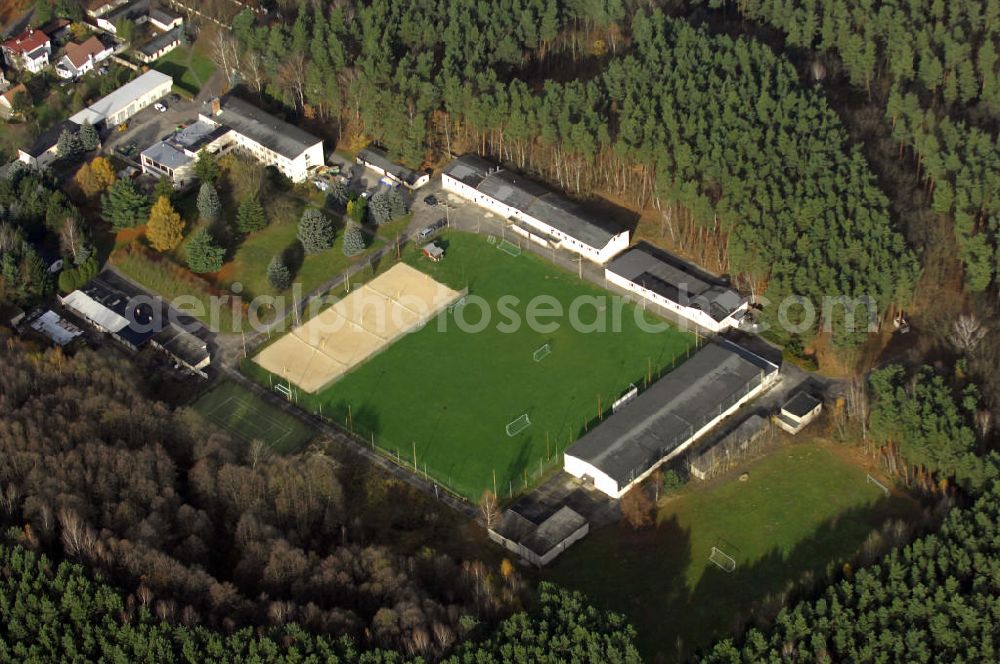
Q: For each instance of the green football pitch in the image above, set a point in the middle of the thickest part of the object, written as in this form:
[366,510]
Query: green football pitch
[449,392]
[240,412]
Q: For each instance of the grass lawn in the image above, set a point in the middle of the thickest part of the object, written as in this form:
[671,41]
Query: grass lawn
[451,393]
[805,506]
[189,67]
[249,264]
[172,282]
[238,411]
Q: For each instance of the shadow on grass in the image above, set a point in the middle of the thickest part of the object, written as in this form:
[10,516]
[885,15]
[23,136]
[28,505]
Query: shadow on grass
[644,575]
[293,256]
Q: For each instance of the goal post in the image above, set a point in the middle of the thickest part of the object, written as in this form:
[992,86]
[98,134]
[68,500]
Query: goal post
[518,425]
[722,560]
[884,488]
[509,248]
[541,352]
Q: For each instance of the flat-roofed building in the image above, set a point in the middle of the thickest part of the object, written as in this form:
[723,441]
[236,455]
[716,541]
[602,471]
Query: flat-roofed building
[127,100]
[669,282]
[266,138]
[668,417]
[539,542]
[533,211]
[175,156]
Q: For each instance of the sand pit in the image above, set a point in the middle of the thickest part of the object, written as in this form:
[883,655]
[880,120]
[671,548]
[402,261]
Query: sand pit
[370,318]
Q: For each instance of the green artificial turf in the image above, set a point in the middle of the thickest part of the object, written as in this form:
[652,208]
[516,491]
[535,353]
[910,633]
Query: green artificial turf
[450,393]
[240,412]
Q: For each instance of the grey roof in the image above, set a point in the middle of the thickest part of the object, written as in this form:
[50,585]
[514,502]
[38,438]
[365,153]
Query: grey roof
[119,298]
[747,430]
[183,345]
[122,97]
[37,53]
[162,16]
[376,156]
[543,537]
[50,138]
[669,276]
[131,12]
[801,404]
[511,189]
[666,415]
[196,135]
[259,125]
[161,40]
[534,199]
[469,169]
[166,155]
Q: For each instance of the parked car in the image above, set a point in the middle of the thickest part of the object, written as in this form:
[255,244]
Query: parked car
[431,199]
[426,232]
[366,195]
[160,107]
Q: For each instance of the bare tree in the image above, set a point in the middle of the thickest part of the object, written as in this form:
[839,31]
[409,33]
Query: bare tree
[984,422]
[966,333]
[292,75]
[71,238]
[259,451]
[226,53]
[489,508]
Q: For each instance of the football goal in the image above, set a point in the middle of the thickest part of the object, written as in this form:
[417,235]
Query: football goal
[885,489]
[722,560]
[285,390]
[456,304]
[541,352]
[509,248]
[517,426]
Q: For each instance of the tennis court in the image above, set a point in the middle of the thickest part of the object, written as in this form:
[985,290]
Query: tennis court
[242,414]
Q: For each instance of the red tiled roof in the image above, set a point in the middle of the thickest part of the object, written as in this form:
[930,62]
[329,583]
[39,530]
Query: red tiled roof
[27,41]
[13,92]
[79,53]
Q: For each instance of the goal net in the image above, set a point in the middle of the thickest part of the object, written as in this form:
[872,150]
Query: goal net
[509,247]
[722,560]
[541,352]
[517,426]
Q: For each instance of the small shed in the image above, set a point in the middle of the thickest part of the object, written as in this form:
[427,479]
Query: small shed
[433,252]
[798,411]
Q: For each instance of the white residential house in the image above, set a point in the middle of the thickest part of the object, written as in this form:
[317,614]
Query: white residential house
[534,212]
[80,59]
[127,100]
[268,139]
[29,51]
[160,45]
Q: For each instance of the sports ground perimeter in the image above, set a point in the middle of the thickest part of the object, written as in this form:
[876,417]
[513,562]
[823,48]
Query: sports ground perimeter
[448,394]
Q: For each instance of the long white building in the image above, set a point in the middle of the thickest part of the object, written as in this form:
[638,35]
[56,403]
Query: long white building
[669,282]
[668,417]
[126,101]
[533,211]
[269,140]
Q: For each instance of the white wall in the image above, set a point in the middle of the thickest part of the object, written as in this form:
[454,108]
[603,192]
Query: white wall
[691,313]
[599,255]
[579,467]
